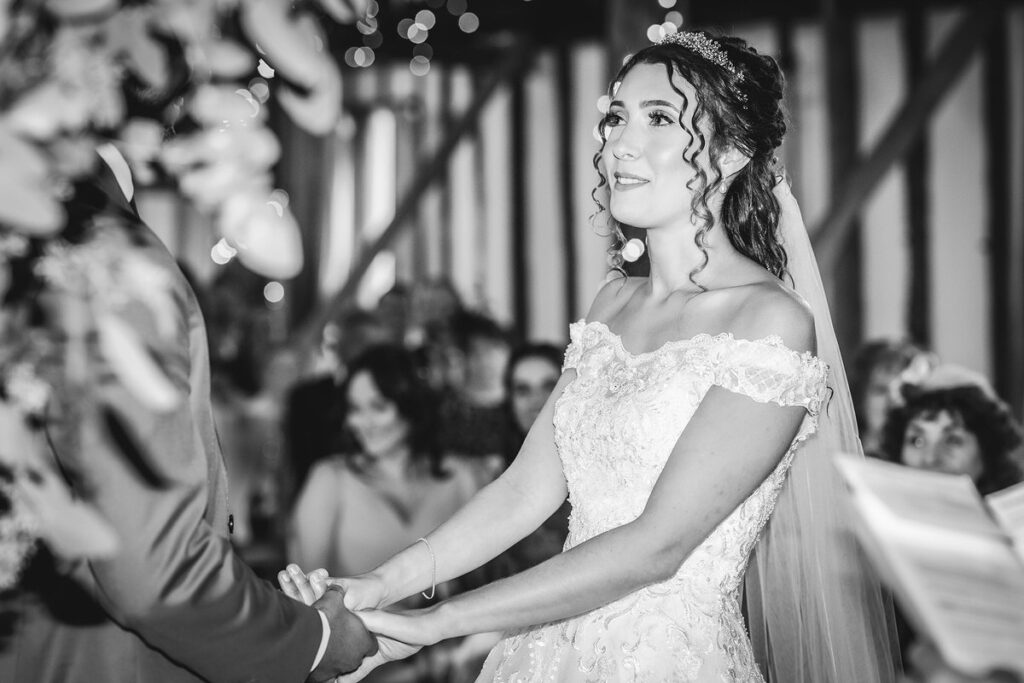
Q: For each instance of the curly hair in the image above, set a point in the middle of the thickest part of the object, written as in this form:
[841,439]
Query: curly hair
[395,373]
[889,355]
[743,111]
[987,418]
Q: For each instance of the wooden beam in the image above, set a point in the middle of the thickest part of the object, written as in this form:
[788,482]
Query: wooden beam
[843,107]
[905,129]
[428,172]
[520,234]
[786,56]
[1007,348]
[565,177]
[444,175]
[919,317]
[626,27]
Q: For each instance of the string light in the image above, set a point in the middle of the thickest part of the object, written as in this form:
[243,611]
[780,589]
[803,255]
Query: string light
[425,19]
[469,22]
[273,292]
[419,66]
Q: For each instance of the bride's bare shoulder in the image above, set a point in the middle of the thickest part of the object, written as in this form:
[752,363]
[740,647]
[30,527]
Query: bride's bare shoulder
[613,296]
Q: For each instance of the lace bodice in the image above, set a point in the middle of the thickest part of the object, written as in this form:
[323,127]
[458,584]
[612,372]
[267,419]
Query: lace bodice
[615,427]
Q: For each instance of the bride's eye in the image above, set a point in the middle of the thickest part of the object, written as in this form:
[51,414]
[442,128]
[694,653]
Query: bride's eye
[611,120]
[660,118]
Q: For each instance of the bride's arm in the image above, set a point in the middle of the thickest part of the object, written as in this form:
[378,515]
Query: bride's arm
[499,515]
[727,449]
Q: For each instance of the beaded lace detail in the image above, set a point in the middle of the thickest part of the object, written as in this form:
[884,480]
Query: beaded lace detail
[615,427]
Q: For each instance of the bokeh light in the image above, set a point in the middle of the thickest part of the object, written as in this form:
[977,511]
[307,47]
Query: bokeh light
[419,66]
[364,56]
[469,22]
[260,89]
[417,34]
[404,25]
[456,7]
[273,292]
[425,18]
[279,196]
[655,33]
[674,18]
[265,69]
[602,103]
[374,40]
[222,252]
[667,4]
[423,50]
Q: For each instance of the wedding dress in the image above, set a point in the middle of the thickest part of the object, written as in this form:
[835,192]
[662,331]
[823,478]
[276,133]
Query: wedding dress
[615,427]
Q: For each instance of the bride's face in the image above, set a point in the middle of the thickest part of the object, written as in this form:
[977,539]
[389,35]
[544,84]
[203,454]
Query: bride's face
[643,156]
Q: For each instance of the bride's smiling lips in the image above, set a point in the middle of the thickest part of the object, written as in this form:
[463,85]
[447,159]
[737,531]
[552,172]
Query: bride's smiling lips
[626,181]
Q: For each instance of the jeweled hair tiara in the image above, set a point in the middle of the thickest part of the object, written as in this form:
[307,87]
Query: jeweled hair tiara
[708,48]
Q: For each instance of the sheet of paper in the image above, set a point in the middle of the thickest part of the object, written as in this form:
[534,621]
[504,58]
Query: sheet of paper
[949,564]
[931,498]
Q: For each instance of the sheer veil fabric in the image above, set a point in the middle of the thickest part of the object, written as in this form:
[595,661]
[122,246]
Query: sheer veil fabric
[817,612]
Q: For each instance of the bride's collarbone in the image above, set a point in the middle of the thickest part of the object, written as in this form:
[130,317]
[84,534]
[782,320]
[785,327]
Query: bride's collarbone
[644,325]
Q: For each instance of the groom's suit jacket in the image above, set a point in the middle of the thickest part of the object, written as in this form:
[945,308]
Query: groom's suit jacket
[175,603]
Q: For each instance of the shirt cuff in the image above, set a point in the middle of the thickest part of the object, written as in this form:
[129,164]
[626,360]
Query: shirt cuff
[323,641]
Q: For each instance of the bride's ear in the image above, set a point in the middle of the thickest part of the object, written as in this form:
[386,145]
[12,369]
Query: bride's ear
[732,162]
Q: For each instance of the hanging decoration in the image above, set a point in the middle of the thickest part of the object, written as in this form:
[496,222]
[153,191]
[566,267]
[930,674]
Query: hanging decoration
[178,88]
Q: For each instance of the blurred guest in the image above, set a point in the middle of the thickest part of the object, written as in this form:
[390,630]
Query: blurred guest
[434,306]
[359,507]
[876,368]
[530,376]
[393,312]
[533,370]
[473,418]
[952,421]
[314,405]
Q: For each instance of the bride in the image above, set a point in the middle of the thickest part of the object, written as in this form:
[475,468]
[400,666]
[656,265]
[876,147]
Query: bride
[691,430]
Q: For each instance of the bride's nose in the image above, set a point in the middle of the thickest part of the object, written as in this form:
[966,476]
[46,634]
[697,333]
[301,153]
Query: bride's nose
[624,147]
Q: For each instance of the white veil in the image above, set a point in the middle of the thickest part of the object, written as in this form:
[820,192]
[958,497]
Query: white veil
[817,613]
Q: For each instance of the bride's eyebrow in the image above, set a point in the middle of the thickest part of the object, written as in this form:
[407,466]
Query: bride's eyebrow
[658,103]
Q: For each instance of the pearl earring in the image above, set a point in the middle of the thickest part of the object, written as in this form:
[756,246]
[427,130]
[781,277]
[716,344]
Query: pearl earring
[633,250]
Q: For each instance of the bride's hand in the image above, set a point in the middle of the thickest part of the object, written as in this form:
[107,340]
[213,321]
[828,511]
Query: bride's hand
[415,627]
[388,650]
[363,592]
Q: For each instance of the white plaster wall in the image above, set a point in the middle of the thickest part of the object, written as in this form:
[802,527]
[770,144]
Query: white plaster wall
[884,245]
[544,248]
[958,214]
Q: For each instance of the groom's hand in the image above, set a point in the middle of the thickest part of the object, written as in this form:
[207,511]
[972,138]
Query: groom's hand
[349,642]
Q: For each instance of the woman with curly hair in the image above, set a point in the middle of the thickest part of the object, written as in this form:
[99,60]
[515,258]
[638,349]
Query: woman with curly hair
[693,406]
[952,421]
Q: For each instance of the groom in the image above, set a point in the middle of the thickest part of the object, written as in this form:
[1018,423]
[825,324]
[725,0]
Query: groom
[174,604]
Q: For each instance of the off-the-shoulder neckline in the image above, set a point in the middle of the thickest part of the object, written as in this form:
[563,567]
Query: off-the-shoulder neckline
[772,340]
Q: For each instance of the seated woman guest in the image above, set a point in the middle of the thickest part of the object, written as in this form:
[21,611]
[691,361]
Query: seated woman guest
[358,508]
[878,366]
[532,373]
[952,421]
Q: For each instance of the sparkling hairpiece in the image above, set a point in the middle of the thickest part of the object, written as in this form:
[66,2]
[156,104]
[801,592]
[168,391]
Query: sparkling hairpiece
[708,48]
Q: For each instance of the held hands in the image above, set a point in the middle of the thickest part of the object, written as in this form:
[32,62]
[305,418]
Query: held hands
[365,593]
